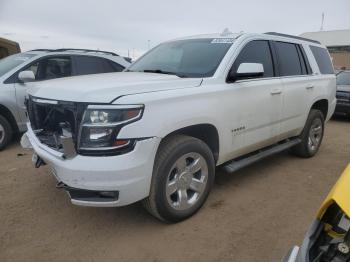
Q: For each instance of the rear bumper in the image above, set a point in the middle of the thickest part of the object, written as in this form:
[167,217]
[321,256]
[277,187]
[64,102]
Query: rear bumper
[128,174]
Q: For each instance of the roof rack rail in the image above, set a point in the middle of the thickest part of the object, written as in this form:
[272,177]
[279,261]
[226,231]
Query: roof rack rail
[75,49]
[83,50]
[293,36]
[42,49]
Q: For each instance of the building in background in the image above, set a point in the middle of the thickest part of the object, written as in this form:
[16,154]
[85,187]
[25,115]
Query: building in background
[8,47]
[338,44]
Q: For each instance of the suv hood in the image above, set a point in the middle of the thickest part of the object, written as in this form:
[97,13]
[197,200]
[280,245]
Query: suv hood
[343,88]
[104,88]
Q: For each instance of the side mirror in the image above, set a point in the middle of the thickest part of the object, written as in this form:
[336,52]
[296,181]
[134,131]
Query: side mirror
[26,76]
[247,70]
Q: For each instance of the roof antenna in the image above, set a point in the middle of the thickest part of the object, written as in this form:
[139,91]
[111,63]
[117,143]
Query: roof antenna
[322,21]
[226,32]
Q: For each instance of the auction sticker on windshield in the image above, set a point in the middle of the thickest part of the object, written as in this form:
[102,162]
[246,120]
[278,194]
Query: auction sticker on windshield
[222,41]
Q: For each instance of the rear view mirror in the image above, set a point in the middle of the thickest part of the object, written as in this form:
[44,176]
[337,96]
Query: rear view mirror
[247,70]
[26,76]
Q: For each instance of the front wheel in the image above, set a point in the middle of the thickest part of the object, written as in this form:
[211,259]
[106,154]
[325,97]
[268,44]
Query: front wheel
[5,132]
[311,136]
[183,175]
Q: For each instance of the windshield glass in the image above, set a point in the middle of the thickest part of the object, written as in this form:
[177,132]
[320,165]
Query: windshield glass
[10,62]
[185,58]
[343,78]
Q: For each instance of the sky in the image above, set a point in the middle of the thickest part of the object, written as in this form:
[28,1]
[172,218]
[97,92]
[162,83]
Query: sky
[131,27]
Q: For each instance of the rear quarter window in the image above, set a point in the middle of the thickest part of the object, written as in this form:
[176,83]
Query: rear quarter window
[85,65]
[323,60]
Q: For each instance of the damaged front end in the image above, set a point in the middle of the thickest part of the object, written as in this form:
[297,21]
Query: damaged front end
[328,239]
[72,128]
[56,124]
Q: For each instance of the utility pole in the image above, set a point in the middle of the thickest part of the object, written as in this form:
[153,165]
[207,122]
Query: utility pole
[322,22]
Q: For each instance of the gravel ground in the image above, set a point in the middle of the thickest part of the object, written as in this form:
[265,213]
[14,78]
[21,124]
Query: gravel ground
[256,214]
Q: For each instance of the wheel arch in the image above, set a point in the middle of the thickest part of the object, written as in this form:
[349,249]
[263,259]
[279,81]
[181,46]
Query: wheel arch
[322,105]
[5,112]
[208,133]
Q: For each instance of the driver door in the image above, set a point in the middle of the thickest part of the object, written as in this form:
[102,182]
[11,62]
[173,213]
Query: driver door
[256,103]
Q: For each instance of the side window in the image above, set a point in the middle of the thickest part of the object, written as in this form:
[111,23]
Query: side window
[117,67]
[323,59]
[304,60]
[85,65]
[288,59]
[51,68]
[257,51]
[33,68]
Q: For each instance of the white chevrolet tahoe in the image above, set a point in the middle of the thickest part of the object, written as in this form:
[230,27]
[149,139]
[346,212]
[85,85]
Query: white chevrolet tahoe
[157,131]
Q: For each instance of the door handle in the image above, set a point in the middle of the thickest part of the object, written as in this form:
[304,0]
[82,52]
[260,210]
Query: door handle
[276,91]
[310,87]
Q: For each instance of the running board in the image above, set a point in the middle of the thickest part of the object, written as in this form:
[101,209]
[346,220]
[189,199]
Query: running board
[235,165]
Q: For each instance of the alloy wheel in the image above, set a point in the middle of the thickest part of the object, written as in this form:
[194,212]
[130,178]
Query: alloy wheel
[315,134]
[186,181]
[2,133]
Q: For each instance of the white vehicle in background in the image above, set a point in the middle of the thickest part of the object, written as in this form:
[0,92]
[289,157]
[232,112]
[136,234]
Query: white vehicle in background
[156,131]
[39,65]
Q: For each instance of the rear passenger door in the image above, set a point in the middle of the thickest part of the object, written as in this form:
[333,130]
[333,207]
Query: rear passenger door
[295,71]
[86,65]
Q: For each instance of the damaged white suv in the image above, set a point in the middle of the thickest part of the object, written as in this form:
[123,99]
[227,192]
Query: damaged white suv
[157,131]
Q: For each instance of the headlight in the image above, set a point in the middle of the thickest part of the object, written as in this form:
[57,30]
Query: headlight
[102,123]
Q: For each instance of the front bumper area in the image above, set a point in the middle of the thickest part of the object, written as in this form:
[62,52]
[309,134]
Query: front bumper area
[342,109]
[343,103]
[129,174]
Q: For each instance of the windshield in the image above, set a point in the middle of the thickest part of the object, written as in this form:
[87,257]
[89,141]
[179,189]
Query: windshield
[185,58]
[10,62]
[343,78]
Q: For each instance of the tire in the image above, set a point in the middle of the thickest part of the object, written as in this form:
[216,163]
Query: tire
[312,135]
[182,164]
[6,132]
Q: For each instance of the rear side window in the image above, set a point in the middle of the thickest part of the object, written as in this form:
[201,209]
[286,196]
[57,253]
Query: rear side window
[85,65]
[256,52]
[288,59]
[323,60]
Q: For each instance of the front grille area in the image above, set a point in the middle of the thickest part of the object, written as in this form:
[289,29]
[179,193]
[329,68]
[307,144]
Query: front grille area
[52,119]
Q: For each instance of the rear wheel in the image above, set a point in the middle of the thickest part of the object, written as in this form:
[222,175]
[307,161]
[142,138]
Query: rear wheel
[5,132]
[183,175]
[311,136]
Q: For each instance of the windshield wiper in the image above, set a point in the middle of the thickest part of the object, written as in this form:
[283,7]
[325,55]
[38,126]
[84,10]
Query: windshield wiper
[159,71]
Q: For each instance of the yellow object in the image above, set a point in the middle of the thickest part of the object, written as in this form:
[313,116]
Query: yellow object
[339,194]
[329,229]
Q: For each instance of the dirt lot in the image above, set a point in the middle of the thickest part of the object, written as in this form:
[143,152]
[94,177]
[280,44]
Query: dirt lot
[256,214]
